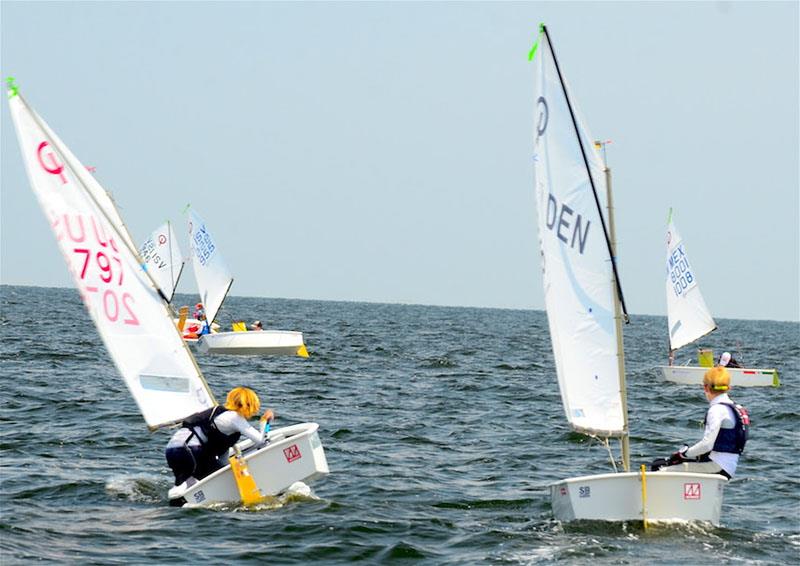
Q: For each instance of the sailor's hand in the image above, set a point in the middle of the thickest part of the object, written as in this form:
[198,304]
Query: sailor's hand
[268,416]
[675,458]
[678,457]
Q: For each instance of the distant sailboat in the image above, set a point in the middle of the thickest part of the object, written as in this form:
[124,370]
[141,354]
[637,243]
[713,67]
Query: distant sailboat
[585,311]
[689,319]
[164,259]
[134,320]
[214,280]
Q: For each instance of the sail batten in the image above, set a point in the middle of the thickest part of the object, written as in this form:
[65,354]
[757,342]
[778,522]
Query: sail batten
[688,316]
[578,269]
[120,296]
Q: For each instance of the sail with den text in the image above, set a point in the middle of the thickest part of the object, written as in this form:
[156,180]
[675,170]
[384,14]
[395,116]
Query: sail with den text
[568,226]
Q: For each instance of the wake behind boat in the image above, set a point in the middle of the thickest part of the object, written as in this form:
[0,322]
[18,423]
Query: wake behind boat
[585,310]
[689,319]
[214,280]
[133,318]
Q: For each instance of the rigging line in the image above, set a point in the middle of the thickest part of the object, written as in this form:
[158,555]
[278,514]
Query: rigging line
[610,454]
[589,172]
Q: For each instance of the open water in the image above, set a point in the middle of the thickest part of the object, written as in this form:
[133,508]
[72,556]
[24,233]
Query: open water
[442,428]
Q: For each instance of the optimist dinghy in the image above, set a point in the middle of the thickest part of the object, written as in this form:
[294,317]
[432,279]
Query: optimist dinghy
[689,319]
[164,259]
[585,309]
[134,319]
[214,280]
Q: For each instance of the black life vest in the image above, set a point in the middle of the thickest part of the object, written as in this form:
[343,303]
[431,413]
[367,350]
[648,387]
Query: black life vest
[215,441]
[732,440]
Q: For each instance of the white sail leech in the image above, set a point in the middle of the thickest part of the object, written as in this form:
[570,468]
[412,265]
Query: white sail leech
[213,277]
[121,298]
[687,314]
[577,268]
[164,259]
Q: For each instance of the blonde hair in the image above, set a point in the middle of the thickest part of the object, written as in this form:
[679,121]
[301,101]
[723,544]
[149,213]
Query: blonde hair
[244,401]
[717,378]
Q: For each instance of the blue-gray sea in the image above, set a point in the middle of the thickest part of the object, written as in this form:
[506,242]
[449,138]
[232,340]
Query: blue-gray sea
[442,427]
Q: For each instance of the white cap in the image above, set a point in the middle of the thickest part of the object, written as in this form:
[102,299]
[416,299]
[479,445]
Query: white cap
[724,359]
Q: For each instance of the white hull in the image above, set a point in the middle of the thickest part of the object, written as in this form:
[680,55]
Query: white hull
[670,496]
[294,454]
[264,342]
[740,377]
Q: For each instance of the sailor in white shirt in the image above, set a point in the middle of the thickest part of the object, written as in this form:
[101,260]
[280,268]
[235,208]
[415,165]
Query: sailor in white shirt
[725,434]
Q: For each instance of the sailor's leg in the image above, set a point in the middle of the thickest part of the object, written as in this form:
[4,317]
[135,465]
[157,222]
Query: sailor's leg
[181,461]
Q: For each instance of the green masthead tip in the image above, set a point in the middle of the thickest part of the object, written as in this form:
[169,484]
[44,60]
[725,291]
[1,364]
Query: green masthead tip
[185,208]
[12,88]
[669,216]
[532,52]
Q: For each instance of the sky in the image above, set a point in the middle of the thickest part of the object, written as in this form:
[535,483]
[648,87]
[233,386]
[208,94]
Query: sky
[382,152]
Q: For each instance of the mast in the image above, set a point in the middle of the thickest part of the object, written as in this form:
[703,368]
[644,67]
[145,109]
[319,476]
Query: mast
[612,237]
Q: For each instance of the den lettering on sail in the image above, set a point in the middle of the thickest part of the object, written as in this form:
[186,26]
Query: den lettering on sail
[569,227]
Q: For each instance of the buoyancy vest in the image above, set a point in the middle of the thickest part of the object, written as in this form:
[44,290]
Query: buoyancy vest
[209,435]
[732,440]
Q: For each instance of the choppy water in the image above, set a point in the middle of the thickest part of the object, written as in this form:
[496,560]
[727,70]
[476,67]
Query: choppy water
[442,428]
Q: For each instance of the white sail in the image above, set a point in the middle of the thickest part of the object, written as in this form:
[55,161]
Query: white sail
[163,258]
[122,300]
[576,264]
[687,314]
[212,274]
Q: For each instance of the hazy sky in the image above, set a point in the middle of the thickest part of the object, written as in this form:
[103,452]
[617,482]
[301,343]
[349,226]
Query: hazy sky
[382,151]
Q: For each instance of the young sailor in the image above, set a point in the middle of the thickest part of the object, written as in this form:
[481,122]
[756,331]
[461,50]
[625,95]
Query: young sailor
[725,434]
[194,451]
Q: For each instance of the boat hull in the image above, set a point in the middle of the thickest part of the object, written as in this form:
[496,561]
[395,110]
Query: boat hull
[263,343]
[670,496]
[740,377]
[293,454]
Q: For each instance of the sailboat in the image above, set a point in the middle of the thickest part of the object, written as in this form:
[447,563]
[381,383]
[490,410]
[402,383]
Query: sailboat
[164,259]
[134,321]
[689,319]
[585,310]
[214,280]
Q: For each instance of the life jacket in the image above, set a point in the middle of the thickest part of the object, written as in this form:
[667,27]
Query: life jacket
[202,425]
[732,440]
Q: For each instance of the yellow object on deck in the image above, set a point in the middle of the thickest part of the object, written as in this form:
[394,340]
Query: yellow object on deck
[248,490]
[705,358]
[183,314]
[302,352]
[239,326]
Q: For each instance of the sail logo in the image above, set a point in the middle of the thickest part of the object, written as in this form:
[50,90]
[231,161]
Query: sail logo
[568,226]
[680,272]
[55,168]
[292,453]
[691,491]
[544,116]
[585,491]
